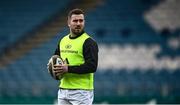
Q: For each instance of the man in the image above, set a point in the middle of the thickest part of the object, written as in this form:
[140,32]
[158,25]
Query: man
[80,52]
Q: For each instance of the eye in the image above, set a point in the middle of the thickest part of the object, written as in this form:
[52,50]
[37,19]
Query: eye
[80,20]
[75,20]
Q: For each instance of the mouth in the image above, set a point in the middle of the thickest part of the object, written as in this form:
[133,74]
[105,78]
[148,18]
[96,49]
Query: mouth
[78,27]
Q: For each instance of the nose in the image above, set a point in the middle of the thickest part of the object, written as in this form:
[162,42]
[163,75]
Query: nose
[78,23]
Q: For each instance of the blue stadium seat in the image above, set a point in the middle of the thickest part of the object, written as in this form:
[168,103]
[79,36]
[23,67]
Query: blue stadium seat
[20,17]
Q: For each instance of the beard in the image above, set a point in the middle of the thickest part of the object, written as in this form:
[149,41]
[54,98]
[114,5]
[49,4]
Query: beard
[77,31]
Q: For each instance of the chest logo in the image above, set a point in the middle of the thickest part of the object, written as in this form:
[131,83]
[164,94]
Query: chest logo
[68,46]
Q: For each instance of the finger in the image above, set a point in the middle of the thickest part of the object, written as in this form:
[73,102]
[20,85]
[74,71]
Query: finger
[57,69]
[57,65]
[58,74]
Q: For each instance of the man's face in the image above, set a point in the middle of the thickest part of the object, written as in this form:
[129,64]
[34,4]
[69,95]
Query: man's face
[76,23]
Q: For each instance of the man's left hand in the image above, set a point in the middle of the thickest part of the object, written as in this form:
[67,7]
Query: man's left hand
[60,69]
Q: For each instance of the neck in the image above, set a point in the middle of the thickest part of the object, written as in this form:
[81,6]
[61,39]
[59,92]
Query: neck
[73,35]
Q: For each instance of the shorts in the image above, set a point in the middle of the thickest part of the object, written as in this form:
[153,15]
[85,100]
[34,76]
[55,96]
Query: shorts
[75,97]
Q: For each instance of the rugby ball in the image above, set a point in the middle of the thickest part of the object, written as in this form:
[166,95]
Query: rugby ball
[54,60]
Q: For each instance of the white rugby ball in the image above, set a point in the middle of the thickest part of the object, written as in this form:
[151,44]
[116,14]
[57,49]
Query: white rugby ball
[54,60]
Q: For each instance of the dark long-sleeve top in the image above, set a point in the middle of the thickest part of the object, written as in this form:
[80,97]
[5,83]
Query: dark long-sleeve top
[90,53]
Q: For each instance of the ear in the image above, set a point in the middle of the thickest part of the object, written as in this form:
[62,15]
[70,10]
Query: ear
[68,22]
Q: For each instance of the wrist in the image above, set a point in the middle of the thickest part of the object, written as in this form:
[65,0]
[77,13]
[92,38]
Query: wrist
[66,68]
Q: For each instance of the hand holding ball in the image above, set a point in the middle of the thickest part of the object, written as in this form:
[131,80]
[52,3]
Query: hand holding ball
[54,65]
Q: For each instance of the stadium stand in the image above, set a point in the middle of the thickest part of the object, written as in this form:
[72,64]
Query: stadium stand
[136,63]
[19,17]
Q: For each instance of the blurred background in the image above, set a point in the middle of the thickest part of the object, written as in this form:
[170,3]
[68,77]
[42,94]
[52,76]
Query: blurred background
[139,49]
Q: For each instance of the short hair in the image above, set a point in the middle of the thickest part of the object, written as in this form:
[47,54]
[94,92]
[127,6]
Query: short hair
[76,11]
